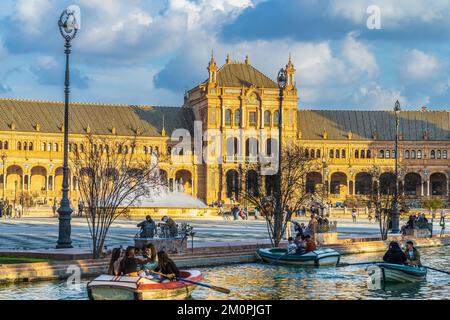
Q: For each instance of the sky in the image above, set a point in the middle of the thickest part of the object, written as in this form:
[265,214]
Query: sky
[149,52]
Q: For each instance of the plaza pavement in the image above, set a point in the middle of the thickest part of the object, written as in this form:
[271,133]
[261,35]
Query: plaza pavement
[30,233]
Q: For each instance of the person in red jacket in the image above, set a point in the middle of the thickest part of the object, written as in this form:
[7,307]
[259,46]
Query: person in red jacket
[310,244]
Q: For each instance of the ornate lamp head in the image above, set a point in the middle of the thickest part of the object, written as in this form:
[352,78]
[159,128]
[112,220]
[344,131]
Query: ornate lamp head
[397,108]
[70,22]
[282,79]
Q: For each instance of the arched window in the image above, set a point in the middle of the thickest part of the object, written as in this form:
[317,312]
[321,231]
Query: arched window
[50,146]
[25,146]
[381,155]
[312,153]
[356,154]
[145,150]
[438,154]
[169,151]
[31,146]
[444,154]
[331,153]
[56,147]
[388,154]
[150,150]
[1,145]
[407,155]
[363,154]
[419,154]
[267,118]
[413,154]
[433,154]
[237,118]
[369,154]
[228,117]
[344,154]
[306,153]
[5,145]
[276,118]
[19,145]
[81,147]
[318,153]
[44,146]
[338,154]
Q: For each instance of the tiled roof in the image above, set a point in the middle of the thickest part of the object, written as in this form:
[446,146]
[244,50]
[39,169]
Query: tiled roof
[243,74]
[99,118]
[365,125]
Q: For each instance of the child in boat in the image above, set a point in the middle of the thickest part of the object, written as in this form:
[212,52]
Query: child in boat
[395,255]
[412,254]
[166,266]
[291,247]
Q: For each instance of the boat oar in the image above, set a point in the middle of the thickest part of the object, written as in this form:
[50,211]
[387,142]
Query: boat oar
[215,288]
[279,258]
[437,270]
[356,264]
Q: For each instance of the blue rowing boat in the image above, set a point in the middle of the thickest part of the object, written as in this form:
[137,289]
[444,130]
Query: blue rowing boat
[318,257]
[400,273]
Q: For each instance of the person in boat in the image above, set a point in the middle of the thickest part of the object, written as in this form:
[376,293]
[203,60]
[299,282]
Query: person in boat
[151,258]
[395,255]
[291,246]
[130,265]
[148,228]
[412,254]
[114,263]
[300,243]
[310,244]
[166,266]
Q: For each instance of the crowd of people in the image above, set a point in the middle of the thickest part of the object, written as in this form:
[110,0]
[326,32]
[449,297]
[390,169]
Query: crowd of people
[302,244]
[149,228]
[147,262]
[11,210]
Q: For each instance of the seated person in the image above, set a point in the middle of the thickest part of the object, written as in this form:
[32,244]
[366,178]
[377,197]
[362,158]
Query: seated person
[395,255]
[151,262]
[310,244]
[130,265]
[412,254]
[299,243]
[167,267]
[291,247]
[114,263]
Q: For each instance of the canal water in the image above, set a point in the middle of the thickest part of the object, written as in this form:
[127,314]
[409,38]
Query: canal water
[264,282]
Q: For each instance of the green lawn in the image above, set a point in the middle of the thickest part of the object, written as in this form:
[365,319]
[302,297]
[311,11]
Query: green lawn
[13,260]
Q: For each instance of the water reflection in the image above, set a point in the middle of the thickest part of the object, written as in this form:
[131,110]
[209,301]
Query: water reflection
[265,282]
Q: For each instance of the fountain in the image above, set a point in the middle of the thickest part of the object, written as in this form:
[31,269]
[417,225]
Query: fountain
[173,200]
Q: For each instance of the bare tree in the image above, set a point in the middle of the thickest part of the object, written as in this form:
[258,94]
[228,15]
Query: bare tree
[382,196]
[113,176]
[295,167]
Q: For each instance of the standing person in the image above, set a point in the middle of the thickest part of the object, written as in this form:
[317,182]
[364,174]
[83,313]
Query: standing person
[354,214]
[80,208]
[2,206]
[256,213]
[442,220]
[54,208]
[235,212]
[246,213]
[148,227]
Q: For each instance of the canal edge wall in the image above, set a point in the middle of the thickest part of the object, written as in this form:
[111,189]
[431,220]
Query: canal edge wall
[202,257]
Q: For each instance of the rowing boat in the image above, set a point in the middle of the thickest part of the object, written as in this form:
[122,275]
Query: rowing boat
[107,287]
[318,257]
[399,273]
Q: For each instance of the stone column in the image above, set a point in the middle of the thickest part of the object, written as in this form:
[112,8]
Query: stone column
[428,187]
[421,188]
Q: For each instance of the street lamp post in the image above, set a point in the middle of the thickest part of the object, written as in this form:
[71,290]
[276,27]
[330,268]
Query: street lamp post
[4,175]
[282,81]
[395,216]
[68,27]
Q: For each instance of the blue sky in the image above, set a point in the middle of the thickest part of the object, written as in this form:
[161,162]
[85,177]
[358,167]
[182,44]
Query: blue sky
[151,51]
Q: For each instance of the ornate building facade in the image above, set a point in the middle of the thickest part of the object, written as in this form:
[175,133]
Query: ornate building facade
[239,104]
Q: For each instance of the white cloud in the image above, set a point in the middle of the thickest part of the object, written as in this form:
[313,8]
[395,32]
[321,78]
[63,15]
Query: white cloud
[30,14]
[420,66]
[374,96]
[359,56]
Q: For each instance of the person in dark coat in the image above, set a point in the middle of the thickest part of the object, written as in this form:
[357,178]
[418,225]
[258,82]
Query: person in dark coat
[395,255]
[166,266]
[148,228]
[130,265]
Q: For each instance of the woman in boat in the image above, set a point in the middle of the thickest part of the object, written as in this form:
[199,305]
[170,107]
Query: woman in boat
[291,246]
[152,259]
[114,263]
[166,266]
[130,264]
[395,255]
[412,254]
